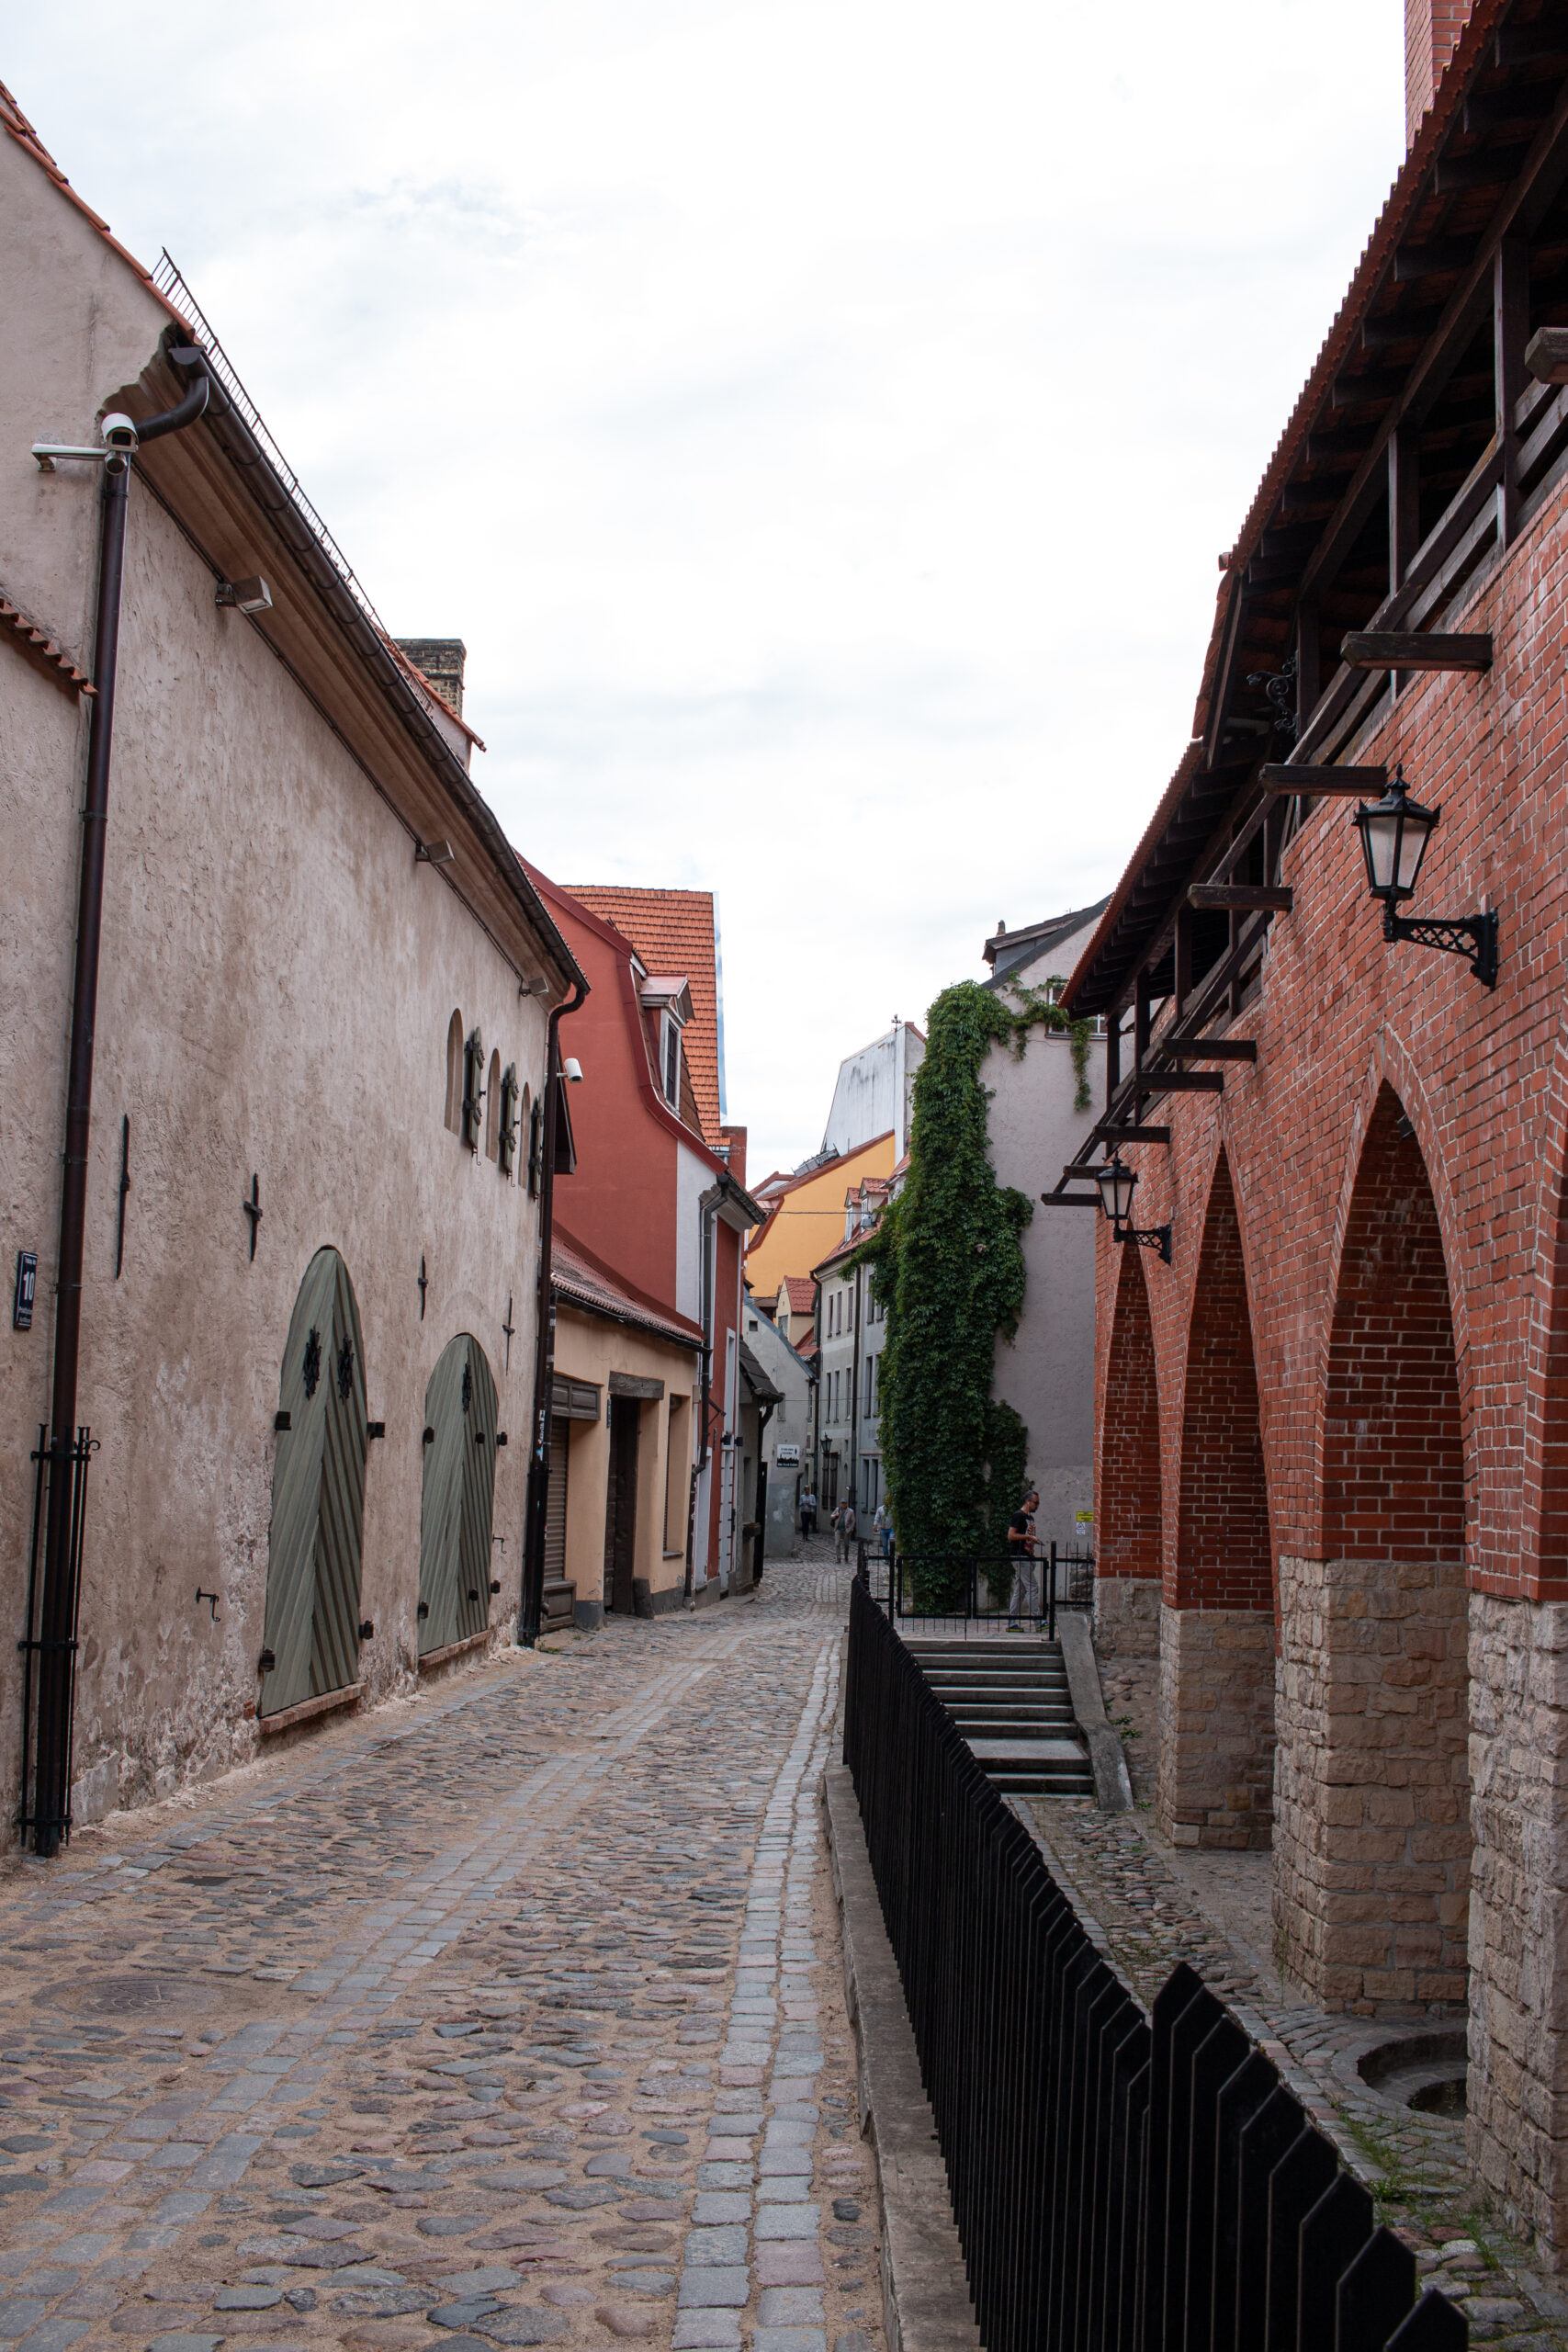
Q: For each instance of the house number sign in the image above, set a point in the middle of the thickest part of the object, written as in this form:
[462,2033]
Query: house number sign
[27,1284]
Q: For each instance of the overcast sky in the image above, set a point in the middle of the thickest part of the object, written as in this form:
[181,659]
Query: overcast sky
[820,422]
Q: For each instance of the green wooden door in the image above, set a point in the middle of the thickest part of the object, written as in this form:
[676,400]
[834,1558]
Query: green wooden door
[458,1505]
[315,1549]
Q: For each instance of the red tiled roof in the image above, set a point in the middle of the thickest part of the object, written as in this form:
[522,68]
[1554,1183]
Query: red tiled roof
[41,650]
[673,930]
[799,1292]
[581,1282]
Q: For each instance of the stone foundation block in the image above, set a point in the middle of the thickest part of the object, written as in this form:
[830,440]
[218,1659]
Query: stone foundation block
[1126,1616]
[1216,1706]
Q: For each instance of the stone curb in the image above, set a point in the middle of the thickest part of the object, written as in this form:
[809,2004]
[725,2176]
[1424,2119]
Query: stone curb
[1112,1786]
[925,2297]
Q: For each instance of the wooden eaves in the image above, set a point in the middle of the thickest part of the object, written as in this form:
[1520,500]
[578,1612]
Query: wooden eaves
[1420,446]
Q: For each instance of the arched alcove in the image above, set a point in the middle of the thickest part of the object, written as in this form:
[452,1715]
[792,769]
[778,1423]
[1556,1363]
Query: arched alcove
[1217,1775]
[1128,1519]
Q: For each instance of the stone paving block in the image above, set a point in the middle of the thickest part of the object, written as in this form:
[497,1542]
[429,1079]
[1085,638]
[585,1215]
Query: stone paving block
[790,2307]
[790,2339]
[706,2331]
[715,2206]
[795,2264]
[706,2247]
[726,2288]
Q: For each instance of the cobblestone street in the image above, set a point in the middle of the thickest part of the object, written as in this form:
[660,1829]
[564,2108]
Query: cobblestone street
[508,2014]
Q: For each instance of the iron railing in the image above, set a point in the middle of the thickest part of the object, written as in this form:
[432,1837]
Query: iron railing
[978,1590]
[1121,2182]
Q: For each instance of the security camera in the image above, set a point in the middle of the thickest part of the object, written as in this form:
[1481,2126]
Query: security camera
[120,433]
[573,1069]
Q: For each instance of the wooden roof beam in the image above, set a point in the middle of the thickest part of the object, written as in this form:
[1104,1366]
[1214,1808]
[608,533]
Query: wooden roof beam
[1416,648]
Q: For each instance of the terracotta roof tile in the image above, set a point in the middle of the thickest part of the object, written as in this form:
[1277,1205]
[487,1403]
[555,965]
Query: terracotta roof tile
[800,1293]
[41,650]
[673,930]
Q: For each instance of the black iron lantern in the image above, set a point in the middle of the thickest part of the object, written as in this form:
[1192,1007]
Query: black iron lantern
[1116,1182]
[1394,832]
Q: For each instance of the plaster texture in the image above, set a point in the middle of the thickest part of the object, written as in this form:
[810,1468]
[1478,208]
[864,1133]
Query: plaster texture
[277,979]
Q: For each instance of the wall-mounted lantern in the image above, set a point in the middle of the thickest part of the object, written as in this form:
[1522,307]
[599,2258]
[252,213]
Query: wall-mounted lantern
[1116,1182]
[1394,834]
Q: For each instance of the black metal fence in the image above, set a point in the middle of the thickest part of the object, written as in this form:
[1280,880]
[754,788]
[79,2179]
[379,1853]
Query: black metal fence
[968,1589]
[1121,2183]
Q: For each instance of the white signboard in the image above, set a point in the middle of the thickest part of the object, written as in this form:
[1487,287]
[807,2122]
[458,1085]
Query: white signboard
[787,1453]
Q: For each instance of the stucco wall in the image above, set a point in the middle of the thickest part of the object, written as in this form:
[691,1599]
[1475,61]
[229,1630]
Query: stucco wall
[1046,1372]
[277,981]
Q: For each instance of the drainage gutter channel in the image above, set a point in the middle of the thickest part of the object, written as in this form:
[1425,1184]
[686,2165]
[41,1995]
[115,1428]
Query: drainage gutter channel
[925,2295]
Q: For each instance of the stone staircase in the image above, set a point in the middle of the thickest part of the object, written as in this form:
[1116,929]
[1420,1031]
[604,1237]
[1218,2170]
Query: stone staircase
[1010,1701]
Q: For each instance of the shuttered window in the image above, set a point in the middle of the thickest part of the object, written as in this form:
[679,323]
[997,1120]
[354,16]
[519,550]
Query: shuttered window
[555,1508]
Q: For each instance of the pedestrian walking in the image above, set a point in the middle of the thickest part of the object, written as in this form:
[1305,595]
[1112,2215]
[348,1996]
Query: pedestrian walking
[809,1512]
[1023,1552]
[881,1528]
[845,1518]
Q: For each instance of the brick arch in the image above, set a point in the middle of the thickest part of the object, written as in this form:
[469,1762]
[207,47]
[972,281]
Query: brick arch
[1372,1884]
[1128,1519]
[1224,1558]
[1393,1434]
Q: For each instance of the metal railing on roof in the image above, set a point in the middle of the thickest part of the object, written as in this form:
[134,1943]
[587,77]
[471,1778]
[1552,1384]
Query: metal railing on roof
[170,282]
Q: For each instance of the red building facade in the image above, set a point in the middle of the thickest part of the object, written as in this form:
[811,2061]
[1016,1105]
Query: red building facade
[1332,1431]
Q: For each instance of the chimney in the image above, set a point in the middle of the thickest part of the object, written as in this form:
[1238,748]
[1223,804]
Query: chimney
[441,659]
[1432,29]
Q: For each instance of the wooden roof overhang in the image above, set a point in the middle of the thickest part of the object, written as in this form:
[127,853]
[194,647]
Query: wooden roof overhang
[1420,446]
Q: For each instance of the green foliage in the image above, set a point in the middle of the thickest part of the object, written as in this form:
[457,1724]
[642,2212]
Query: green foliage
[948,1268]
[1040,1005]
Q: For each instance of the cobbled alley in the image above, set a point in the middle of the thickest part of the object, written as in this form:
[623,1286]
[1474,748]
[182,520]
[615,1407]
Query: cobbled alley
[508,2014]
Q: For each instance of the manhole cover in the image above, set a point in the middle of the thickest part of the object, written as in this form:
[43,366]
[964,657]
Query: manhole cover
[121,1997]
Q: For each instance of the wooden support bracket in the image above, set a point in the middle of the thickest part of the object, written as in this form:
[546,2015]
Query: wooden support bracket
[1116,1131]
[1061,1201]
[1246,896]
[1415,649]
[1546,355]
[1181,1082]
[1367,781]
[1212,1049]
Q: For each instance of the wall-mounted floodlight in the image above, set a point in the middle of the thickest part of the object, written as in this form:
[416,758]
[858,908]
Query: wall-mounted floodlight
[433,854]
[251,596]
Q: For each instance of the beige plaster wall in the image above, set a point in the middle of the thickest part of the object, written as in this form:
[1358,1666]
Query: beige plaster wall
[277,981]
[590,1348]
[1372,1835]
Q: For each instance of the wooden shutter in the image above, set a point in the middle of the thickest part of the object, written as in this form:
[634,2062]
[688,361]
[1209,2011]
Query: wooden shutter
[340,1533]
[457,1509]
[441,1500]
[478,1496]
[555,1508]
[316,1541]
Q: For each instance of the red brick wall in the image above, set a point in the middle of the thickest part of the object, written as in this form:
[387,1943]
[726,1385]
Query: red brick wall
[1482,1075]
[1432,29]
[1222,1554]
[1393,1455]
[1127,1481]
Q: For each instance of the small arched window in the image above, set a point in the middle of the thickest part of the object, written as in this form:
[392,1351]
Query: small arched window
[509,1120]
[455,1074]
[492,1108]
[473,1088]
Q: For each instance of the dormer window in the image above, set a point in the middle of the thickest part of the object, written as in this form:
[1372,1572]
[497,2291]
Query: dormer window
[671,999]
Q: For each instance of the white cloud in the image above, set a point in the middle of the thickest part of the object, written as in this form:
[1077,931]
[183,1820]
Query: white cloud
[819,421]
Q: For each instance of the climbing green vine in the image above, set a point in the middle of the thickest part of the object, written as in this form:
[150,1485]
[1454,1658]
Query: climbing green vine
[1039,1006]
[948,1268]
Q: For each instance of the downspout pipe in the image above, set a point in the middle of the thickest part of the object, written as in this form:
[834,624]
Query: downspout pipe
[710,1207]
[531,1604]
[57,1633]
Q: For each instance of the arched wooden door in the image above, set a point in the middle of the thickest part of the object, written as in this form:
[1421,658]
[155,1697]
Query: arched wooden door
[458,1501]
[315,1549]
